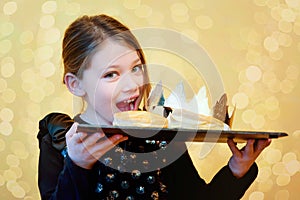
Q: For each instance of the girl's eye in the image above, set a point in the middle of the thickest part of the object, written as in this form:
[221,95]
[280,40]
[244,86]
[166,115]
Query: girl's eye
[111,75]
[137,69]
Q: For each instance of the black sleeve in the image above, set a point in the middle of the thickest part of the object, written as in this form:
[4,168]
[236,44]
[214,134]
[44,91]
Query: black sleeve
[51,163]
[58,177]
[185,183]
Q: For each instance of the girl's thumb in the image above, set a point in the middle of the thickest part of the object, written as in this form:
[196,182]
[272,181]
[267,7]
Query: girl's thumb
[72,130]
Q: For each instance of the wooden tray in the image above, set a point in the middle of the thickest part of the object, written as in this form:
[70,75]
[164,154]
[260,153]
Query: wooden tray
[178,134]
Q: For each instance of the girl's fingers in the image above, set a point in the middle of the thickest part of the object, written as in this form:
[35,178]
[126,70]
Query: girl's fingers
[76,137]
[103,146]
[262,144]
[72,130]
[114,140]
[249,148]
[101,142]
[233,147]
[91,138]
[122,139]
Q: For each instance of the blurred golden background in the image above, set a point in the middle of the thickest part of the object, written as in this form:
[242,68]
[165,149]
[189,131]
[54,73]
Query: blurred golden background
[255,45]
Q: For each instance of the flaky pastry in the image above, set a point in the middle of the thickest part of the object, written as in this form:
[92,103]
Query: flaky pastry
[140,119]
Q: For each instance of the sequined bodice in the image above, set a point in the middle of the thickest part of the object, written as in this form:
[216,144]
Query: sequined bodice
[132,171]
[128,175]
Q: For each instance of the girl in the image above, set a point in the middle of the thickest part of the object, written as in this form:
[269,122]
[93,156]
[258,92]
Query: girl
[105,65]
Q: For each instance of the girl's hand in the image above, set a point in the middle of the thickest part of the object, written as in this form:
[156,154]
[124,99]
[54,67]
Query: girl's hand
[242,159]
[86,149]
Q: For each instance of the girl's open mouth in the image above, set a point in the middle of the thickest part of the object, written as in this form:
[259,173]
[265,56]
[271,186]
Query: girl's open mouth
[127,105]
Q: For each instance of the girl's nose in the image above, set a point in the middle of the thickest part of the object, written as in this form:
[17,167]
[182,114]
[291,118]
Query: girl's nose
[130,83]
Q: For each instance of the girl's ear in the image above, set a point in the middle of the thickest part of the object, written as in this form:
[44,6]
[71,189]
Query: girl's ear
[74,85]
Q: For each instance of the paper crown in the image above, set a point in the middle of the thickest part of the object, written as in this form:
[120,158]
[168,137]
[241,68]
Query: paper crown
[198,104]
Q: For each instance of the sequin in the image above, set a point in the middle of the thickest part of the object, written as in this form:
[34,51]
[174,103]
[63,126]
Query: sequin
[133,156]
[155,195]
[140,190]
[163,145]
[110,178]
[64,152]
[158,172]
[129,198]
[150,141]
[163,188]
[119,150]
[123,158]
[107,161]
[135,174]
[150,179]
[114,194]
[99,188]
[145,162]
[125,184]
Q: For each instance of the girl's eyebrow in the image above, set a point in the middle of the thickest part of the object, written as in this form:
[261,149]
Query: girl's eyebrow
[136,61]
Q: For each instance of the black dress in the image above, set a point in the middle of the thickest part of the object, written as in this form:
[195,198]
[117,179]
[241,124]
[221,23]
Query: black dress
[122,173]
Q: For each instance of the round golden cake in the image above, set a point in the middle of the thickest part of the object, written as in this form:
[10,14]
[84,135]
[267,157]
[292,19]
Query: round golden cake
[140,119]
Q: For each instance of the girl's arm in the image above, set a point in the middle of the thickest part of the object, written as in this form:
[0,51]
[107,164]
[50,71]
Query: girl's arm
[185,183]
[86,149]
[74,176]
[58,176]
[242,159]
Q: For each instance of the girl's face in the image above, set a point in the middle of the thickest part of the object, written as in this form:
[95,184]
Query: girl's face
[113,83]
